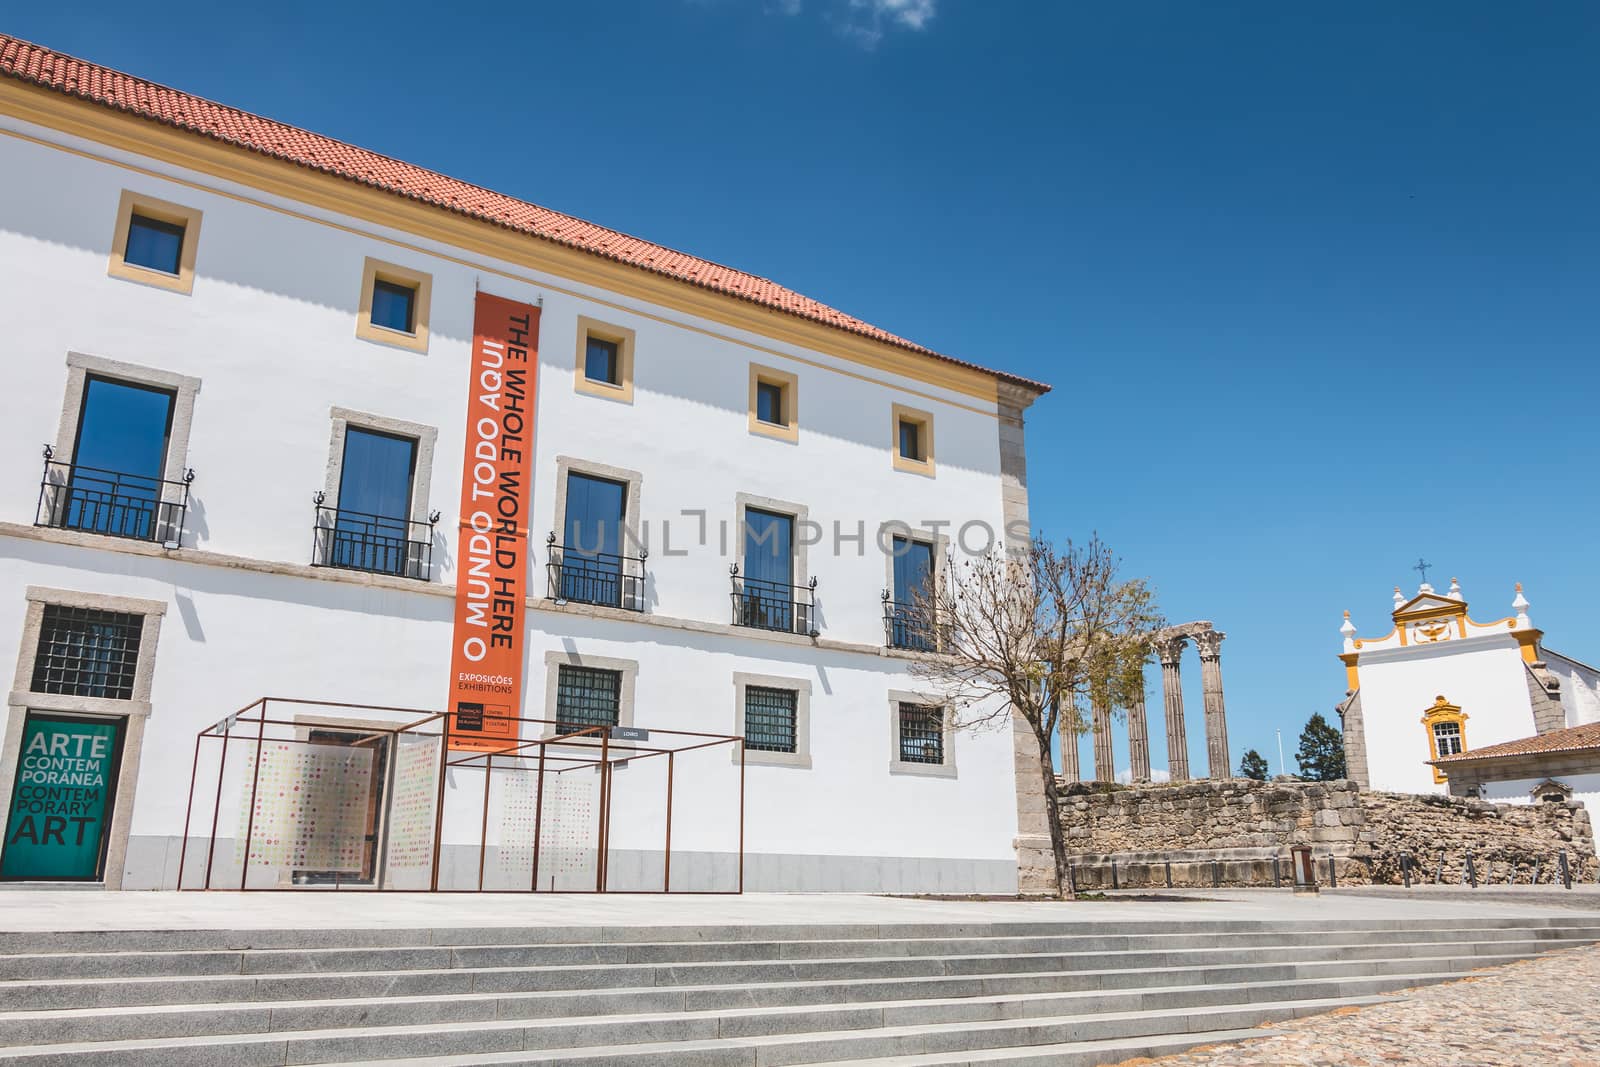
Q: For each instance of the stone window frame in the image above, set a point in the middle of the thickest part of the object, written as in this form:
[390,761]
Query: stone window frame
[628,668]
[623,338]
[375,270]
[162,211]
[939,543]
[801,687]
[632,525]
[798,512]
[789,429]
[81,366]
[427,441]
[947,769]
[135,711]
[924,421]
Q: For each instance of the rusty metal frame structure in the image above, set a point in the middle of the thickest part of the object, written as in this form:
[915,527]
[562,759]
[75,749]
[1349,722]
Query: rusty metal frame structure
[593,745]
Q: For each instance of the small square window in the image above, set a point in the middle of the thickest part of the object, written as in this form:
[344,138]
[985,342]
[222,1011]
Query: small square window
[394,306]
[912,439]
[769,403]
[921,734]
[600,361]
[774,403]
[587,696]
[88,653]
[154,244]
[604,365]
[769,719]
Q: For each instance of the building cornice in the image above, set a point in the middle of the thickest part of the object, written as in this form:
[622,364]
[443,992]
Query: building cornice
[144,137]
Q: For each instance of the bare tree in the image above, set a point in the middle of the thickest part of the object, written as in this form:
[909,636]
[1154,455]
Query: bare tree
[1038,635]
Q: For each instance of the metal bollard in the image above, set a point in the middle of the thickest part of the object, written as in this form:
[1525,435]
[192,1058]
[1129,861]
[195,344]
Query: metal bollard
[1538,864]
[1566,872]
[1438,875]
[1405,869]
[1511,872]
[1333,875]
[1169,874]
[1114,884]
[1471,872]
[1276,880]
[1216,875]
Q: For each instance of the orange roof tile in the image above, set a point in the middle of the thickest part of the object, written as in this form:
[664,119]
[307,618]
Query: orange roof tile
[71,76]
[1572,739]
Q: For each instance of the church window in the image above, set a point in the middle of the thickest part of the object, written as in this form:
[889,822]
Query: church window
[1446,725]
[1447,738]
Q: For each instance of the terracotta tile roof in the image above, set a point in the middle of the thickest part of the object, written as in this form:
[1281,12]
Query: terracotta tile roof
[1572,739]
[71,76]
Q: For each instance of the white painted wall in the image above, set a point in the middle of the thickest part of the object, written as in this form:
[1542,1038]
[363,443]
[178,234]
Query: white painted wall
[270,331]
[1485,676]
[1580,687]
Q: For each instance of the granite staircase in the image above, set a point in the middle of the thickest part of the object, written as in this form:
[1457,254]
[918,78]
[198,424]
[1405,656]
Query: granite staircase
[1068,992]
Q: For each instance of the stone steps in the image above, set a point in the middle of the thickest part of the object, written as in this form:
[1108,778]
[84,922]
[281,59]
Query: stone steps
[1062,992]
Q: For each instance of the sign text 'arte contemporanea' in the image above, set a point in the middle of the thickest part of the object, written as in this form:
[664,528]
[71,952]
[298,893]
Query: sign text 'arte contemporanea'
[492,545]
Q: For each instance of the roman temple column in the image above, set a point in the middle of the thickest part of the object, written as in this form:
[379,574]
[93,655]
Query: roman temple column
[1171,653]
[1105,767]
[1209,645]
[1139,738]
[1070,771]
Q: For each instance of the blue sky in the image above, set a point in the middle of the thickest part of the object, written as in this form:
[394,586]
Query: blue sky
[1318,285]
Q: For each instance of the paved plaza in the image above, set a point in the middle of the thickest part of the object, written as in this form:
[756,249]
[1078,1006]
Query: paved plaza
[1538,1011]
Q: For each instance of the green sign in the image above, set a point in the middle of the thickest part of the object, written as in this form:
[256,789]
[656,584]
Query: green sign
[66,777]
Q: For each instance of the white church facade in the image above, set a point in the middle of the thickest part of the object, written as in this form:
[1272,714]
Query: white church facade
[283,386]
[1441,691]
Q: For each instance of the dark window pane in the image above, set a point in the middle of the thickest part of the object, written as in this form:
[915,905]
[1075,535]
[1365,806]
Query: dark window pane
[768,547]
[913,563]
[87,653]
[394,306]
[154,244]
[591,558]
[118,459]
[769,403]
[586,696]
[910,439]
[769,717]
[372,529]
[600,361]
[921,734]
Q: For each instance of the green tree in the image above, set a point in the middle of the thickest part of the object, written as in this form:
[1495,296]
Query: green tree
[1321,752]
[1253,766]
[1030,638]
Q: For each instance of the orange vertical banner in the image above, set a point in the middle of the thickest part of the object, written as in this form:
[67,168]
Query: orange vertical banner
[492,542]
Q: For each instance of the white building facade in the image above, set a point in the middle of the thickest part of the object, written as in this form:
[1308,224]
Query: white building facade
[299,335]
[1441,685]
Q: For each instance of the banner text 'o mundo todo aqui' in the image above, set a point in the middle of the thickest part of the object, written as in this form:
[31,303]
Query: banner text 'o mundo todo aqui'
[492,545]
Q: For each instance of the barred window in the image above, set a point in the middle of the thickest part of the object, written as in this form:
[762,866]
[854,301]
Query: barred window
[921,734]
[586,696]
[769,717]
[84,652]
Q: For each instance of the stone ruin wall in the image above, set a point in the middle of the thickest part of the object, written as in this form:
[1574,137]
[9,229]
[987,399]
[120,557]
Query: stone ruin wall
[1227,833]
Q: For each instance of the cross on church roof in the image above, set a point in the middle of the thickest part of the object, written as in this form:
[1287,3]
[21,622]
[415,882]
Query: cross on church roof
[1422,566]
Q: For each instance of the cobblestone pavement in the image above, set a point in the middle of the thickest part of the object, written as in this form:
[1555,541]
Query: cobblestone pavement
[1543,1011]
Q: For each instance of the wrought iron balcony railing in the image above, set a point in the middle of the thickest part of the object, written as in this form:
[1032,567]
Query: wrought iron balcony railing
[768,605]
[114,503]
[356,541]
[910,626]
[583,577]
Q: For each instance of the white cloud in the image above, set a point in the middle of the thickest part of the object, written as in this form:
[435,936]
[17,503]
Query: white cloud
[865,22]
[1125,777]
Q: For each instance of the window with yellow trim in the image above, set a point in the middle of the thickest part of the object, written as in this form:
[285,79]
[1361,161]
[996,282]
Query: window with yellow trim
[394,305]
[155,242]
[1447,732]
[912,439]
[604,365]
[774,403]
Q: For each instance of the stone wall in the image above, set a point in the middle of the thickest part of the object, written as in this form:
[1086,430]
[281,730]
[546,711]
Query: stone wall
[1230,832]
